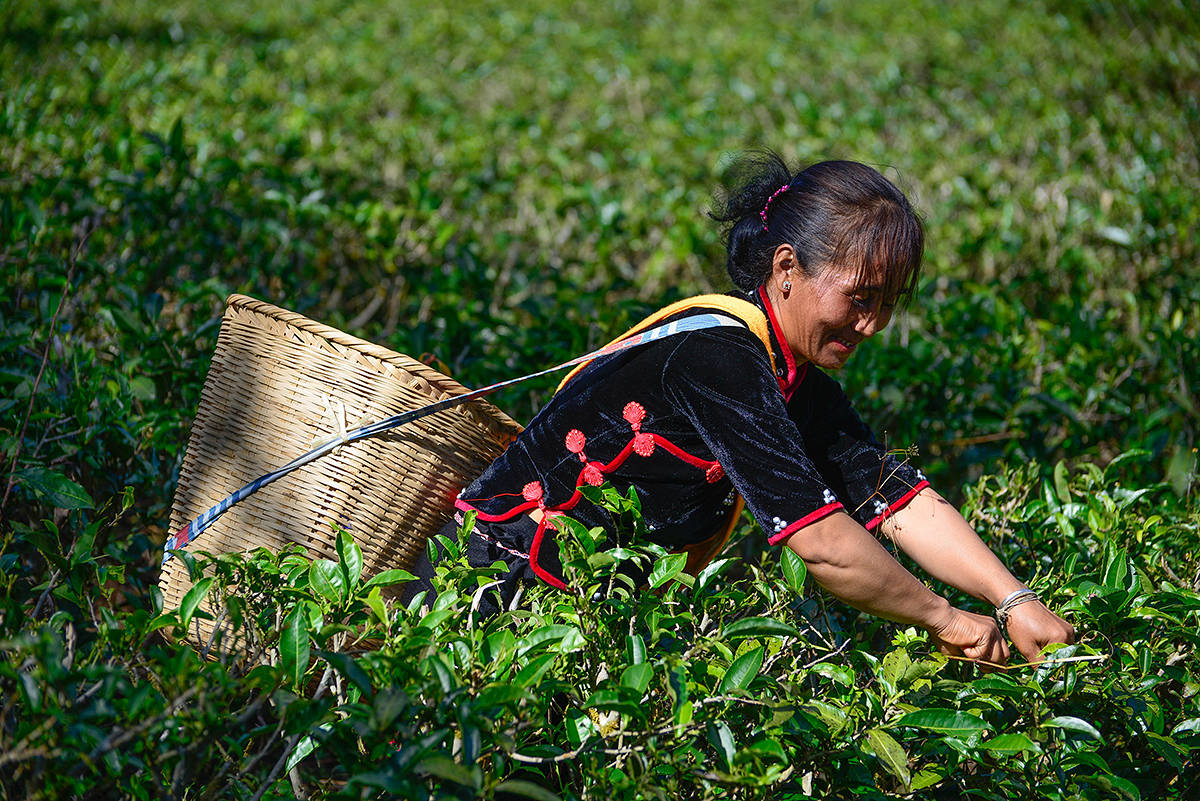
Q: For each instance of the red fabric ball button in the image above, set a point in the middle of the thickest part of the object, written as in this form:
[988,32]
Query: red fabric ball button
[643,444]
[714,473]
[634,413]
[592,475]
[575,440]
[532,491]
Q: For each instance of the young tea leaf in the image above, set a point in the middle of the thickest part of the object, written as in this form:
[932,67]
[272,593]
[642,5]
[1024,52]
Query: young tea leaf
[294,646]
[794,570]
[350,558]
[666,569]
[743,671]
[192,599]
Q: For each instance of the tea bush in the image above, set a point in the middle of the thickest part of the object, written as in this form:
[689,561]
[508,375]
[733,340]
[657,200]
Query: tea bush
[502,187]
[718,686]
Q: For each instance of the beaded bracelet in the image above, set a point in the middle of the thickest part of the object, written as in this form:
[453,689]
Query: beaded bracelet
[1013,599]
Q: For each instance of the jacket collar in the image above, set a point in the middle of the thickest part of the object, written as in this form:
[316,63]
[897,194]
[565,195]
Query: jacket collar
[788,373]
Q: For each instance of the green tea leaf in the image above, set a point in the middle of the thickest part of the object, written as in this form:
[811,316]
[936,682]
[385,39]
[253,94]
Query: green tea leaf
[350,559]
[532,672]
[722,740]
[944,721]
[1071,723]
[891,754]
[666,569]
[743,671]
[759,627]
[794,570]
[1014,743]
[294,645]
[327,580]
[527,789]
[499,695]
[637,677]
[55,488]
[386,578]
[192,599]
[447,769]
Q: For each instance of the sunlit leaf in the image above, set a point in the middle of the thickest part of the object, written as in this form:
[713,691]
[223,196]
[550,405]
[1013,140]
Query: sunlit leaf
[743,671]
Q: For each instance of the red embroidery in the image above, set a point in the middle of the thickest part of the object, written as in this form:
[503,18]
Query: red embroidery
[642,443]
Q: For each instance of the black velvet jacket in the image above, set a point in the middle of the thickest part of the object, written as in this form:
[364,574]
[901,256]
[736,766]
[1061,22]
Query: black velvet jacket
[687,420]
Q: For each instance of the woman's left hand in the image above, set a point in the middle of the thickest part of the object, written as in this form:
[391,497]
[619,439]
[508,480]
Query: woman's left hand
[1031,627]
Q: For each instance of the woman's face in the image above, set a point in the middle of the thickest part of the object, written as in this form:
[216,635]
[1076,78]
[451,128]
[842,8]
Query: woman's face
[826,317]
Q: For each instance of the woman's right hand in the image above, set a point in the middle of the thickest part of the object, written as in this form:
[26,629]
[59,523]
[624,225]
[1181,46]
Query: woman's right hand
[961,633]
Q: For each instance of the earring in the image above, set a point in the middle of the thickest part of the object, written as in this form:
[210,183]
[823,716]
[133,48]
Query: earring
[787,286]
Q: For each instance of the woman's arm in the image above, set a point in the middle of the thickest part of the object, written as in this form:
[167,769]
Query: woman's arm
[931,531]
[849,562]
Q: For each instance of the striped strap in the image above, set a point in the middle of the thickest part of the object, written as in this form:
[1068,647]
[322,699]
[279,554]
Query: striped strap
[194,529]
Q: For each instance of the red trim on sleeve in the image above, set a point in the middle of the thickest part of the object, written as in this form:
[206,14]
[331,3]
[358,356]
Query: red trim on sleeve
[897,506]
[808,519]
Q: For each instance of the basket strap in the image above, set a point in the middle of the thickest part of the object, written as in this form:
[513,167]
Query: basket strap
[192,530]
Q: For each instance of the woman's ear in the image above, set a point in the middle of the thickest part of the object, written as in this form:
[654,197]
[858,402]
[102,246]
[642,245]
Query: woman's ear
[785,270]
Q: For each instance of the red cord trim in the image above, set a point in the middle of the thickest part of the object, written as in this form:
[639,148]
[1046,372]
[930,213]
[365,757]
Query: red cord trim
[538,571]
[905,499]
[712,471]
[675,450]
[808,519]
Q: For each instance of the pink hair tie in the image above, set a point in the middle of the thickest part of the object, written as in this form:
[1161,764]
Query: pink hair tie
[767,205]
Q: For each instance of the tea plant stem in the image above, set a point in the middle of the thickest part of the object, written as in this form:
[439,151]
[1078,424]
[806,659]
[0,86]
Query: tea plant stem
[278,767]
[71,262]
[1042,663]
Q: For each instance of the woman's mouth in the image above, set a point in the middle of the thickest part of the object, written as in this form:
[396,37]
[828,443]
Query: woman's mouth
[845,345]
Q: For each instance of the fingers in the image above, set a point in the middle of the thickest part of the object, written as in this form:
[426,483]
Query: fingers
[1032,627]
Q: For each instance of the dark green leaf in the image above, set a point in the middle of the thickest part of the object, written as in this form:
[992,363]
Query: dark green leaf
[54,488]
[759,627]
[527,789]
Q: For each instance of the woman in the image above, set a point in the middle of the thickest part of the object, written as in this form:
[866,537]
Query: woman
[821,257]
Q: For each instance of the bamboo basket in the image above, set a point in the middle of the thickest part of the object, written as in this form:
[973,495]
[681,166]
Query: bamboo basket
[279,382]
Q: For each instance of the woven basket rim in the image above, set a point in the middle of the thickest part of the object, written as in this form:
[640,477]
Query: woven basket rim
[440,382]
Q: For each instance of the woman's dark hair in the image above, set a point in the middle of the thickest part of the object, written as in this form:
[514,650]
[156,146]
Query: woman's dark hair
[833,212]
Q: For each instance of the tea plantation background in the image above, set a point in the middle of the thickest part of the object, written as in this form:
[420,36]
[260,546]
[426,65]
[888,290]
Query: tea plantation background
[503,186]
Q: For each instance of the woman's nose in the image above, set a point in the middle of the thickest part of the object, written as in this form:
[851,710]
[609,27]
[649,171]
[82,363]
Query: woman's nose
[873,319]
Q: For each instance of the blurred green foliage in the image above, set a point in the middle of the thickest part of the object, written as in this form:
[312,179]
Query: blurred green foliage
[505,185]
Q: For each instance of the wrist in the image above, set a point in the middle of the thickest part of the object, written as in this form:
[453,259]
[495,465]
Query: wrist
[1004,591]
[937,614]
